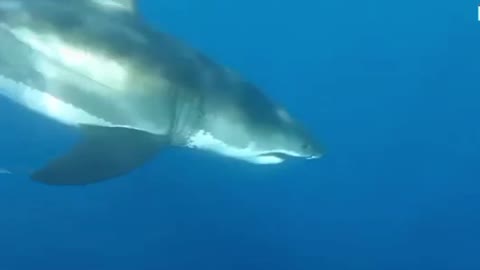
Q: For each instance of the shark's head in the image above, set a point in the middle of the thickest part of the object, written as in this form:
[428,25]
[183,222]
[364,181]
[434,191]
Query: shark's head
[275,137]
[248,126]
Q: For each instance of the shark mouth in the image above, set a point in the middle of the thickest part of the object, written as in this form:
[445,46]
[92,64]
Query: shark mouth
[284,155]
[279,155]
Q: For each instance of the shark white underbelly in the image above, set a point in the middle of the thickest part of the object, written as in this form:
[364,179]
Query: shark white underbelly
[40,101]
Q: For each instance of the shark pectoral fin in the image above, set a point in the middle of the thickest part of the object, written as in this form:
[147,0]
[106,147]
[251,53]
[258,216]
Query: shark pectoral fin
[104,153]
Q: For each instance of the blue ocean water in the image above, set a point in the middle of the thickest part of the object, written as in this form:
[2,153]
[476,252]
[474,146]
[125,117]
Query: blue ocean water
[391,90]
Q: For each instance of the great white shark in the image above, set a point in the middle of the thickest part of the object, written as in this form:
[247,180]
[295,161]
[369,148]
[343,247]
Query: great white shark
[132,90]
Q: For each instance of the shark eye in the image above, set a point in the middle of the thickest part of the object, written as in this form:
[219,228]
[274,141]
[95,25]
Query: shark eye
[306,147]
[283,114]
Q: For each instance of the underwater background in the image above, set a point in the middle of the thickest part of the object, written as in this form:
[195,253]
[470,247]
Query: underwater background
[390,88]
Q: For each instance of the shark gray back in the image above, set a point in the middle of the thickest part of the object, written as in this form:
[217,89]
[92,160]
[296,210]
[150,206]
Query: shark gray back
[132,90]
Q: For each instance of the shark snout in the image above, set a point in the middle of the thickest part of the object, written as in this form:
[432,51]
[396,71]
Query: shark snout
[313,151]
[315,156]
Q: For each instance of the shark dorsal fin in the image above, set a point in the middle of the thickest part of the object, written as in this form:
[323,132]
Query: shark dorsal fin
[120,5]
